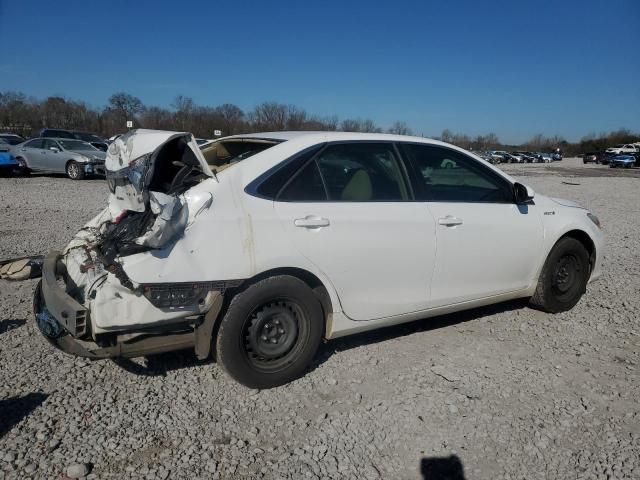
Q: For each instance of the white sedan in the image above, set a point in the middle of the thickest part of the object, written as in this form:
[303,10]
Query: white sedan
[261,245]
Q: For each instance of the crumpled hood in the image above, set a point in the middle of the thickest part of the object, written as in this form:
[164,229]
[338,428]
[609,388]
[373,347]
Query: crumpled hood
[567,203]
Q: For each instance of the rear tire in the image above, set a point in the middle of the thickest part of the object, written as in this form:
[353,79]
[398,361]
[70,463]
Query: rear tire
[564,277]
[270,332]
[74,170]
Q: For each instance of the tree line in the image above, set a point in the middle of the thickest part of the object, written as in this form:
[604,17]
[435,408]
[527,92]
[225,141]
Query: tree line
[25,115]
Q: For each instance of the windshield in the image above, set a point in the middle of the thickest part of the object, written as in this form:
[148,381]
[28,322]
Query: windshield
[76,145]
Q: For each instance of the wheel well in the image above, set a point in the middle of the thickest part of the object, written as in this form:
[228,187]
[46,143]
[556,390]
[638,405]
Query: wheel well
[307,277]
[585,240]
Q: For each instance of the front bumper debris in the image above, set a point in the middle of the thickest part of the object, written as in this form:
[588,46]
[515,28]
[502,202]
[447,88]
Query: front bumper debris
[64,323]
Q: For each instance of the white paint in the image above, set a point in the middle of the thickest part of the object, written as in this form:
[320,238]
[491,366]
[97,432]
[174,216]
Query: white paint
[382,263]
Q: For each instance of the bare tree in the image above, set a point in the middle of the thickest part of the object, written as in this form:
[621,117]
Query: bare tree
[269,116]
[184,107]
[232,118]
[125,106]
[399,128]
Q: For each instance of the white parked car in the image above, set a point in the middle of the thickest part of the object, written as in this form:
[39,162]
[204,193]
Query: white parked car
[618,149]
[264,244]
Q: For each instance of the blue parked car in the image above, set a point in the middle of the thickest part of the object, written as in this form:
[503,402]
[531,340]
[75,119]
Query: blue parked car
[8,164]
[625,161]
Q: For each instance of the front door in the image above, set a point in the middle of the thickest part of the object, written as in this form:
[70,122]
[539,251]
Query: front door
[486,244]
[55,159]
[349,211]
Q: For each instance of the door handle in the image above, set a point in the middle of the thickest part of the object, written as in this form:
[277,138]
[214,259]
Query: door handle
[450,221]
[311,221]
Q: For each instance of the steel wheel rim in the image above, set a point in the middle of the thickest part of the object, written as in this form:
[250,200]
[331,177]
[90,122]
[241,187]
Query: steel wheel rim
[272,335]
[566,274]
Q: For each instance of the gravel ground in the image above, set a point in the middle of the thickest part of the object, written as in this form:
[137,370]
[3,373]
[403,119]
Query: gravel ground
[503,392]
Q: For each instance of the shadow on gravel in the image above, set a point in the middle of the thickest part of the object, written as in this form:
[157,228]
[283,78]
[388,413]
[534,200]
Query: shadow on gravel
[58,175]
[6,325]
[424,325]
[15,409]
[442,468]
[160,364]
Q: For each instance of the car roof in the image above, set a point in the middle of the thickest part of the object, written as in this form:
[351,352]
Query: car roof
[292,142]
[332,136]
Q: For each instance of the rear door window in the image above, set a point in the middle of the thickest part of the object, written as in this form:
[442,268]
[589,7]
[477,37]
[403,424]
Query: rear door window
[362,172]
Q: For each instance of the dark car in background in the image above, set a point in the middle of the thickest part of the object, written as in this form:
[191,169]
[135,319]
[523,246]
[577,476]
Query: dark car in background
[12,138]
[594,157]
[93,139]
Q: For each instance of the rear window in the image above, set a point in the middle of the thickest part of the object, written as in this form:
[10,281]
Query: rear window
[221,154]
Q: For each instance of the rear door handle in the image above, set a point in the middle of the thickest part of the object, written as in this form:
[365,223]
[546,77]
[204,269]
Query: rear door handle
[450,221]
[311,221]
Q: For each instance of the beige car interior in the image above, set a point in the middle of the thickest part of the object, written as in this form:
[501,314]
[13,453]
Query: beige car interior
[223,154]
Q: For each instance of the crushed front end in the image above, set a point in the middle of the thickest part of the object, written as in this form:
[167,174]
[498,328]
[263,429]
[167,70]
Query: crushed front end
[86,304]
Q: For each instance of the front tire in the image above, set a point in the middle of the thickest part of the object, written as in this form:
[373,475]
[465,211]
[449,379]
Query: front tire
[270,332]
[74,170]
[564,277]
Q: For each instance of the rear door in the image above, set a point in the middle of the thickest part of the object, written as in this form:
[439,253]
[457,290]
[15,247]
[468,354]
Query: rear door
[349,210]
[486,244]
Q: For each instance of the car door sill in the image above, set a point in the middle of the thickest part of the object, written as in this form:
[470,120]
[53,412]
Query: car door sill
[349,326]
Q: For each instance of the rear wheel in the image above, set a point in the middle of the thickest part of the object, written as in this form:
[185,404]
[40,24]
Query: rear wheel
[270,332]
[75,171]
[564,277]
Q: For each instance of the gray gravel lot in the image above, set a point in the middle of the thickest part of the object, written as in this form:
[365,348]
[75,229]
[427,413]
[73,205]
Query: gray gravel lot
[502,392]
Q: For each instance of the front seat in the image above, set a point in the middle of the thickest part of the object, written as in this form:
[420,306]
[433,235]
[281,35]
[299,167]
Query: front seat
[359,188]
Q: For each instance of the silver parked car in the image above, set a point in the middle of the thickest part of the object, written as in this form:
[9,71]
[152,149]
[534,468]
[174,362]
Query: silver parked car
[75,158]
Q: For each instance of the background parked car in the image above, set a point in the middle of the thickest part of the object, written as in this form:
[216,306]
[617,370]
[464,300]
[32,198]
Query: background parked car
[95,140]
[618,149]
[593,157]
[73,157]
[510,158]
[497,156]
[624,161]
[527,157]
[12,138]
[544,157]
[8,164]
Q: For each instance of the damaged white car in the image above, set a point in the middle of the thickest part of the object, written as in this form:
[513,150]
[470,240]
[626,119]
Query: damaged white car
[260,246]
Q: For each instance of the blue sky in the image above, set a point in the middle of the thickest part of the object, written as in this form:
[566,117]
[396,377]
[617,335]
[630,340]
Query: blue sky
[516,68]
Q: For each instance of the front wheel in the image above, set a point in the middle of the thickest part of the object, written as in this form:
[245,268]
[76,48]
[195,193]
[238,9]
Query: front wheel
[564,277]
[74,170]
[270,332]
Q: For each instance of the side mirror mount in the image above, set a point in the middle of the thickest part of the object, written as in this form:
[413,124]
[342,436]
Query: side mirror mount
[522,193]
